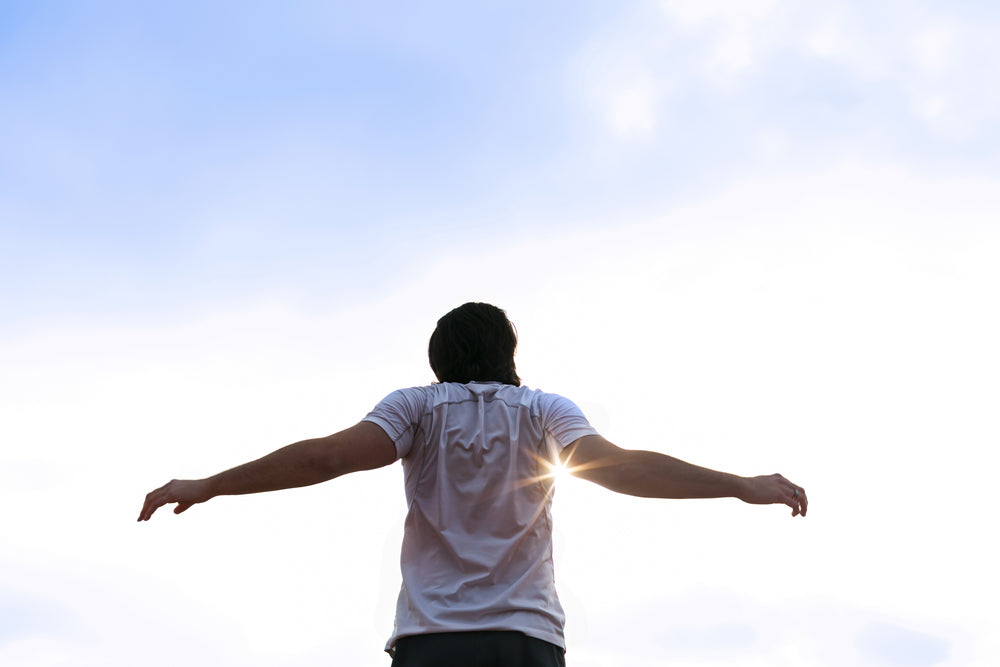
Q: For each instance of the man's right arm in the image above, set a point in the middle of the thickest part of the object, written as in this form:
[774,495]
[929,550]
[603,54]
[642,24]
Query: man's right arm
[364,446]
[655,475]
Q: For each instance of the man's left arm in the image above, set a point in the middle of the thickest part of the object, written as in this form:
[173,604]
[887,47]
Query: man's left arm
[364,446]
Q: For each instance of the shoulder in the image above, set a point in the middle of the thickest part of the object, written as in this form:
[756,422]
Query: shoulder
[422,390]
[407,399]
[538,400]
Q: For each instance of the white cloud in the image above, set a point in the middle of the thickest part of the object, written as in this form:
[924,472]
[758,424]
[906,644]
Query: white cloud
[930,65]
[940,62]
[933,47]
[736,33]
[737,12]
[618,82]
[632,111]
[734,51]
[827,39]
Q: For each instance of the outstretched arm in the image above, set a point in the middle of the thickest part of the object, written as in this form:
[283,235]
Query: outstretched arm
[655,475]
[364,446]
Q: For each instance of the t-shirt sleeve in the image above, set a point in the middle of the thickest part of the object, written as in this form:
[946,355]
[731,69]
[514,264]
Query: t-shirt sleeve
[398,414]
[563,421]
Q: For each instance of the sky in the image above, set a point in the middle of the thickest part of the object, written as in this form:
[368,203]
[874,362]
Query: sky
[757,235]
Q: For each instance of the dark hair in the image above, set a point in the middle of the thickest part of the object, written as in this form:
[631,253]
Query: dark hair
[475,341]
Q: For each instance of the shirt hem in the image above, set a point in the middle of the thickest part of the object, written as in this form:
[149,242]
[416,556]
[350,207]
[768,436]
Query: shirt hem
[554,638]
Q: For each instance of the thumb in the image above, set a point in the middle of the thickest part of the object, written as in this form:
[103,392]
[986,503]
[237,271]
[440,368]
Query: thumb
[181,507]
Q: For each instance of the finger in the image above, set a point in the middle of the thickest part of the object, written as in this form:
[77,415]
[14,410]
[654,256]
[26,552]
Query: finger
[800,500]
[154,500]
[794,500]
[147,508]
[785,497]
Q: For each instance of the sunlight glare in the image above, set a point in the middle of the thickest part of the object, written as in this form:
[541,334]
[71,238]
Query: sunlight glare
[559,471]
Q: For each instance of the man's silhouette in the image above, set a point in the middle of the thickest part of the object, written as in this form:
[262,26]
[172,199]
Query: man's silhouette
[478,452]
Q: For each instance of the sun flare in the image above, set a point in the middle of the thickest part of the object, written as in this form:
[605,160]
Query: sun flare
[559,471]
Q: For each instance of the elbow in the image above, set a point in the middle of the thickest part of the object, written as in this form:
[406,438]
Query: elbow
[325,461]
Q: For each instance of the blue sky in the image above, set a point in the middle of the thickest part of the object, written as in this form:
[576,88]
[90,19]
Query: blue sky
[757,235]
[144,143]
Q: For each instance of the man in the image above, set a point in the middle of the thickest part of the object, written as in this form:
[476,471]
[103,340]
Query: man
[478,451]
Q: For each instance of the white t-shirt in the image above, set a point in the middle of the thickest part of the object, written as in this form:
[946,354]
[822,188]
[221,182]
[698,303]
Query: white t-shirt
[477,543]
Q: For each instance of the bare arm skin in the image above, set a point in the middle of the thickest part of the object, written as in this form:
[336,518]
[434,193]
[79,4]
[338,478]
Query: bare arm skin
[655,475]
[364,446]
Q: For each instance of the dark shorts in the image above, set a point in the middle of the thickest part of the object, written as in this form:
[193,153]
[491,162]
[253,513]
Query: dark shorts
[492,648]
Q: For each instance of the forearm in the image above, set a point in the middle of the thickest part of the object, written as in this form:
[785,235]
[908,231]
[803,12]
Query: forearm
[655,475]
[364,446]
[300,464]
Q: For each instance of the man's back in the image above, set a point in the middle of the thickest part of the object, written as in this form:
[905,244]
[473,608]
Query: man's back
[477,546]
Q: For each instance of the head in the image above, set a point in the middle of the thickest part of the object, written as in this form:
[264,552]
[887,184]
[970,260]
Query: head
[475,341]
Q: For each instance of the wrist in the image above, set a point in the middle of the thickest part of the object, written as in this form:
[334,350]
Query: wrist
[741,488]
[210,487]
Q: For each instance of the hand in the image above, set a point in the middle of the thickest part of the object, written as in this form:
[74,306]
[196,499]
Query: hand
[769,489]
[184,492]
